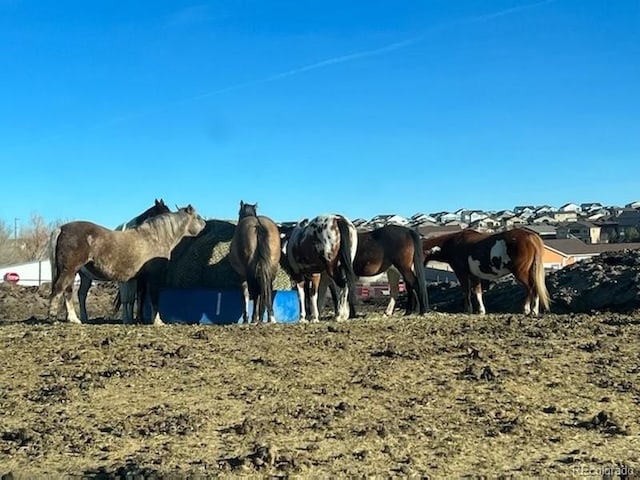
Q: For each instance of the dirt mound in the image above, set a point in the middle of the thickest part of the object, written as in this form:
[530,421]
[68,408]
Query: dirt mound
[22,303]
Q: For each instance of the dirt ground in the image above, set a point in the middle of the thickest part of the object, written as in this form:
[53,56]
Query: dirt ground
[444,395]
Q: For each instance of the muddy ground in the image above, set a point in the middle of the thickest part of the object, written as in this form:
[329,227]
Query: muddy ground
[444,395]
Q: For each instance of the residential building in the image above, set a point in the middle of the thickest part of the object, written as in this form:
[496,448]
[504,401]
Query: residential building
[586,231]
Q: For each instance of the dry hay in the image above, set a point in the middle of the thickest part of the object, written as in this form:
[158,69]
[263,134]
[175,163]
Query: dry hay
[203,261]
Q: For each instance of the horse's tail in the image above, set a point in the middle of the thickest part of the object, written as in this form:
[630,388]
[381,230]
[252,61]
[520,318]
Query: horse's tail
[260,279]
[538,274]
[347,254]
[53,247]
[419,270]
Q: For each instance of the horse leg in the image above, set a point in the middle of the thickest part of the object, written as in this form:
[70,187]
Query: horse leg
[271,313]
[154,296]
[393,276]
[68,300]
[313,294]
[128,292]
[55,300]
[411,285]
[475,286]
[532,299]
[344,310]
[465,284]
[300,287]
[246,299]
[83,290]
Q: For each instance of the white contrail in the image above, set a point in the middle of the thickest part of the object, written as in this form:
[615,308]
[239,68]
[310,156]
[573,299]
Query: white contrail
[331,61]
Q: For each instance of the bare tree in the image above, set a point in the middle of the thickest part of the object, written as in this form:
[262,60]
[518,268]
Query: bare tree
[34,239]
[6,243]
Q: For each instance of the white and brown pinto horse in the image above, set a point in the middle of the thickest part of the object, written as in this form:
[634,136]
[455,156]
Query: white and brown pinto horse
[126,291]
[327,243]
[254,254]
[113,255]
[476,256]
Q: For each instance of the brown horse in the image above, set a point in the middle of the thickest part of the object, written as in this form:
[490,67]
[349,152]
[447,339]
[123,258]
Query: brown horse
[476,256]
[327,243]
[400,247]
[254,254]
[126,291]
[396,250]
[113,255]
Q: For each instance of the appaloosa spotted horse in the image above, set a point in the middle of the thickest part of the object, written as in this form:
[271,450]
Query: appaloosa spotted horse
[327,243]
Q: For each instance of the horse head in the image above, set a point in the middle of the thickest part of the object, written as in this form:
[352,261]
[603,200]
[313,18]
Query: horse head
[247,210]
[195,223]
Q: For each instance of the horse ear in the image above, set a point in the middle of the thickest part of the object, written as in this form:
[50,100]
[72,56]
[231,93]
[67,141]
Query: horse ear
[190,209]
[241,204]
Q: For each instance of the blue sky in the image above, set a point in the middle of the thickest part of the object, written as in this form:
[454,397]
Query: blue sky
[309,107]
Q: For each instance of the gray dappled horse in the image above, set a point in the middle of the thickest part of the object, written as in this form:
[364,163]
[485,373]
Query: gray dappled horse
[113,255]
[127,290]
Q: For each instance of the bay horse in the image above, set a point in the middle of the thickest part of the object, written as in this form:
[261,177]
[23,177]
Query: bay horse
[113,255]
[396,250]
[126,291]
[254,254]
[327,243]
[476,256]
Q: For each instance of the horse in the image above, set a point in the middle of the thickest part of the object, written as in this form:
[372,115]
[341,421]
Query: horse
[126,291]
[254,254]
[112,255]
[397,250]
[327,243]
[476,256]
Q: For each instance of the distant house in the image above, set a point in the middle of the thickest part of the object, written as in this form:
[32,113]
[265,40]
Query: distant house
[382,220]
[545,230]
[591,206]
[628,217]
[471,216]
[486,224]
[562,252]
[542,219]
[446,217]
[512,222]
[569,207]
[608,231]
[565,216]
[586,231]
[359,222]
[524,210]
[544,209]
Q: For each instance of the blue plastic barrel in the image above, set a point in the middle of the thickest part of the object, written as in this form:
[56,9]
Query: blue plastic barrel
[220,306]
